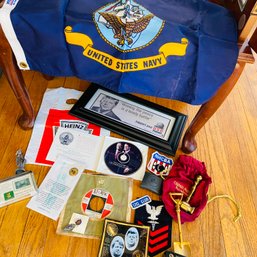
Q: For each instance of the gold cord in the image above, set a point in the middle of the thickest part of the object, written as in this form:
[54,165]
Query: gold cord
[239,215]
[162,175]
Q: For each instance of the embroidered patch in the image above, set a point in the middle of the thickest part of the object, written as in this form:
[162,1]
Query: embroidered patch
[155,215]
[140,202]
[160,164]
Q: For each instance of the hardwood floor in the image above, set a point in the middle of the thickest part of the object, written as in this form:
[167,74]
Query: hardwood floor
[227,145]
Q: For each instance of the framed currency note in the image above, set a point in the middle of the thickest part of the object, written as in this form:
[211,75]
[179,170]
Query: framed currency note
[135,118]
[123,239]
[17,188]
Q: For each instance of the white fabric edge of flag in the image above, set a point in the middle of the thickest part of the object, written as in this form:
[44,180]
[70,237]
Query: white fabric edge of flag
[6,24]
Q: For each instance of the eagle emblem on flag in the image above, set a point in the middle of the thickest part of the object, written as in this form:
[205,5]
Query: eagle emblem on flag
[124,23]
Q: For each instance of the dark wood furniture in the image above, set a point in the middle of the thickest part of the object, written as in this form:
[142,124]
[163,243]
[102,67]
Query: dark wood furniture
[246,18]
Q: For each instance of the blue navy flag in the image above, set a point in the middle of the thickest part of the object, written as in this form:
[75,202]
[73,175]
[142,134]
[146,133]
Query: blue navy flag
[174,49]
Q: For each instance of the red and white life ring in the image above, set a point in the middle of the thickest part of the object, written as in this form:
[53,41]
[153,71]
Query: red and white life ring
[99,193]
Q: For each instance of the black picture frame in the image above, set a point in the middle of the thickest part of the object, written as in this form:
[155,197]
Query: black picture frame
[124,239]
[135,118]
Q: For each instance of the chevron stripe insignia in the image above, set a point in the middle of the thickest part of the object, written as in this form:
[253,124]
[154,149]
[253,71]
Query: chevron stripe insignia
[155,215]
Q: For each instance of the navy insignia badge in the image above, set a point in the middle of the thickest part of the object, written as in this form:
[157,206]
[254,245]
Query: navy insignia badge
[126,25]
[155,215]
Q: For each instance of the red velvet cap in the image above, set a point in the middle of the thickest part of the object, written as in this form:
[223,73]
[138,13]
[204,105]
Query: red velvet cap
[180,180]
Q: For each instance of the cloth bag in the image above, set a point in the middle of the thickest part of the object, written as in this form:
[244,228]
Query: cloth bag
[180,180]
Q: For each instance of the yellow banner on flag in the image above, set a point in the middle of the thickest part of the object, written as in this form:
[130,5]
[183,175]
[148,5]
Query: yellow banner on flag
[168,49]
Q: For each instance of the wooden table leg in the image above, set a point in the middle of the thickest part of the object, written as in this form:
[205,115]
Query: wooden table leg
[209,108]
[16,81]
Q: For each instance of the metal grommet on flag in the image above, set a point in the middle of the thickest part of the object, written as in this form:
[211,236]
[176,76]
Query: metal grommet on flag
[23,65]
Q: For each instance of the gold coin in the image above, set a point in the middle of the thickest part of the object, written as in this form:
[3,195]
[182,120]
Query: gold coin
[73,171]
[112,229]
[138,253]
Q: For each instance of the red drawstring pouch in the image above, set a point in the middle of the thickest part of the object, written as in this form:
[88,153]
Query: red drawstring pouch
[182,179]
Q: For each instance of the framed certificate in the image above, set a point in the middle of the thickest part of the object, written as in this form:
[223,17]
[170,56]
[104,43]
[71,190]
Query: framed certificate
[132,117]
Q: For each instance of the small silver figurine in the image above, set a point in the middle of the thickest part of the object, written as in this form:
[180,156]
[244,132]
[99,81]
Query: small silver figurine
[20,162]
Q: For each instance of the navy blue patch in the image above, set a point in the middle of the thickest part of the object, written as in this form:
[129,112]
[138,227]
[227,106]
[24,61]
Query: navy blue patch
[155,215]
[140,202]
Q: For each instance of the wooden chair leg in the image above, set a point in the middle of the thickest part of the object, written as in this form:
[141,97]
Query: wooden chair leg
[47,77]
[16,81]
[209,108]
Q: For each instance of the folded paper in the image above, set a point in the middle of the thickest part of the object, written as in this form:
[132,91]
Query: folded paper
[93,151]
